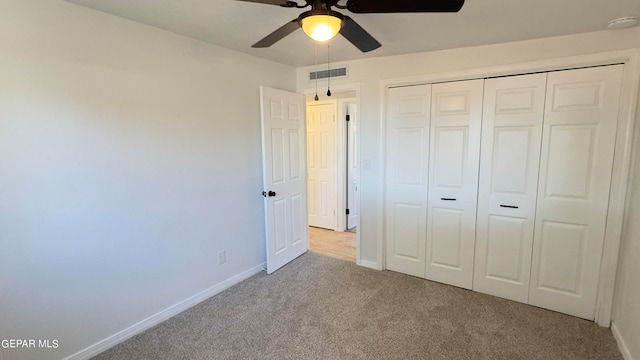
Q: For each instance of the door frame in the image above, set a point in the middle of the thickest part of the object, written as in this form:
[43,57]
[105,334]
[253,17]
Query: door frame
[621,163]
[341,147]
[343,159]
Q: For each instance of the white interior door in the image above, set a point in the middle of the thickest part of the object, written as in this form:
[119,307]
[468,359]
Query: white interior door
[407,133]
[510,155]
[321,165]
[284,176]
[352,166]
[581,113]
[456,115]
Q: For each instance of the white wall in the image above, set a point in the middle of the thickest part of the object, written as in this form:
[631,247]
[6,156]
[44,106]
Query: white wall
[369,73]
[626,317]
[129,157]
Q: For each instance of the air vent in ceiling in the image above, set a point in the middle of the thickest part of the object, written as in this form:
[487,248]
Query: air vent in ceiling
[334,73]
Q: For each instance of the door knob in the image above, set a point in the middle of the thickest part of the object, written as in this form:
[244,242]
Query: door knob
[272,193]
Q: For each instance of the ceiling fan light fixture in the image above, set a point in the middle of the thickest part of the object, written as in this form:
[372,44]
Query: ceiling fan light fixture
[321,27]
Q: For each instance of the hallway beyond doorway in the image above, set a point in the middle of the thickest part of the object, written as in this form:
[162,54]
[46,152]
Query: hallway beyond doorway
[340,245]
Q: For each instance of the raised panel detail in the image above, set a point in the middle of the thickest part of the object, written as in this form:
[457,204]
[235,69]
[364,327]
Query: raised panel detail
[297,211]
[280,225]
[294,155]
[511,152]
[293,111]
[311,154]
[312,198]
[324,197]
[577,96]
[275,108]
[324,140]
[411,106]
[516,101]
[561,254]
[505,240]
[571,153]
[452,104]
[409,156]
[446,245]
[407,229]
[450,156]
[277,149]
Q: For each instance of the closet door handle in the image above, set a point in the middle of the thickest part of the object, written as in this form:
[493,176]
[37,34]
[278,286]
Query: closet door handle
[509,206]
[448,199]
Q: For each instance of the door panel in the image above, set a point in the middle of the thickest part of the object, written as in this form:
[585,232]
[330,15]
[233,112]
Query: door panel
[562,257]
[406,178]
[506,242]
[453,181]
[576,162]
[447,242]
[450,148]
[285,212]
[407,227]
[321,165]
[569,171]
[511,137]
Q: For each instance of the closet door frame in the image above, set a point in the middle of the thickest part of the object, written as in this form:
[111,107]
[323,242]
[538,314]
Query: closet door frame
[621,162]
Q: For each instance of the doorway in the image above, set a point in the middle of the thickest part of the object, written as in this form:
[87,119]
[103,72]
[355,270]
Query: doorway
[332,174]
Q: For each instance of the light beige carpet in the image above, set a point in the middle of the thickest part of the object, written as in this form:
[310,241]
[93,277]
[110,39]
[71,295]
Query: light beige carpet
[318,307]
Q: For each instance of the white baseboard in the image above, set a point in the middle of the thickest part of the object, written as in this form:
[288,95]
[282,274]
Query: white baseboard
[369,264]
[621,344]
[163,315]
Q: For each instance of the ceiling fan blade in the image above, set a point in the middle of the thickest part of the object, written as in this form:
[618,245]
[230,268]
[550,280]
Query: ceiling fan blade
[278,35]
[283,3]
[358,36]
[403,6]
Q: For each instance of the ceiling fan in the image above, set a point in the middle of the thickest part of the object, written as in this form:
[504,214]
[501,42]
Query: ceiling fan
[322,24]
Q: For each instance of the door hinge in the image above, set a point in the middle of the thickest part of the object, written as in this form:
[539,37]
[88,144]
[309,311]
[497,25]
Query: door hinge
[347,211]
[348,117]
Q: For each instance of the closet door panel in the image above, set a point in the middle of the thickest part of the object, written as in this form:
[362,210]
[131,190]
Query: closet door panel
[407,152]
[575,172]
[453,181]
[511,136]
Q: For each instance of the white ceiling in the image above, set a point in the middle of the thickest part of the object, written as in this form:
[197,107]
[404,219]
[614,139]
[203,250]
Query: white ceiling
[237,25]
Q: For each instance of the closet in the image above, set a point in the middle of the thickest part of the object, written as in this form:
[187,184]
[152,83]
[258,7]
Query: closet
[501,185]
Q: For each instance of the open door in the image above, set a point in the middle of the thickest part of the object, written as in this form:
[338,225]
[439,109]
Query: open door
[284,176]
[352,165]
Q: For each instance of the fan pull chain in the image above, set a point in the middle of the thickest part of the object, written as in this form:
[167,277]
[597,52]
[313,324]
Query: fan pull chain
[316,98]
[328,73]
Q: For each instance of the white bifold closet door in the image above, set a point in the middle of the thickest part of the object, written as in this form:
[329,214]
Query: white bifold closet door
[508,184]
[407,131]
[581,113]
[456,113]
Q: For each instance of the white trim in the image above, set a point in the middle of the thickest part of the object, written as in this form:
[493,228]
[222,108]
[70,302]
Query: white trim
[384,88]
[342,150]
[369,264]
[617,195]
[622,346]
[163,315]
[622,158]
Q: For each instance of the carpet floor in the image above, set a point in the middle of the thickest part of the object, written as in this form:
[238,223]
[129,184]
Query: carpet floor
[318,307]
